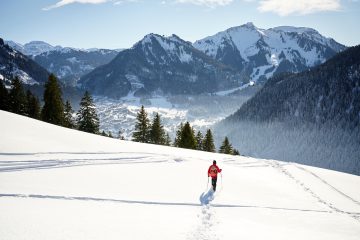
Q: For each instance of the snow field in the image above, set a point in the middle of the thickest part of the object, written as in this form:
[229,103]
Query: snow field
[57,183]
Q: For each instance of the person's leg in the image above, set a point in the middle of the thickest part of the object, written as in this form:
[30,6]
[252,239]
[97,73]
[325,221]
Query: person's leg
[213,181]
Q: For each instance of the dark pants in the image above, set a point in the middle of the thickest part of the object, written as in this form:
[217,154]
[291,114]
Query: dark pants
[213,183]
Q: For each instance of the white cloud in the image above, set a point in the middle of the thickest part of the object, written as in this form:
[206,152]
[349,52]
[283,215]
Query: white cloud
[298,7]
[66,2]
[119,2]
[208,3]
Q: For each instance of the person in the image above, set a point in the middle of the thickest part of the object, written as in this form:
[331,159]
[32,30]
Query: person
[213,172]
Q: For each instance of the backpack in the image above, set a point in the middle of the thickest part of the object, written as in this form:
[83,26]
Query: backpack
[213,171]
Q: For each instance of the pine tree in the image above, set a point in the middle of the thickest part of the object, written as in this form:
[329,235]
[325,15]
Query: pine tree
[236,152]
[103,133]
[178,135]
[121,134]
[199,141]
[4,97]
[68,116]
[17,97]
[208,144]
[167,140]
[187,138]
[87,119]
[142,127]
[110,134]
[157,132]
[33,105]
[53,110]
[226,147]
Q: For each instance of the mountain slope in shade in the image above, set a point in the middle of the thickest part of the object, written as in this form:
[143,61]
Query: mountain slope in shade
[310,118]
[82,186]
[14,63]
[329,92]
[261,53]
[168,65]
[70,64]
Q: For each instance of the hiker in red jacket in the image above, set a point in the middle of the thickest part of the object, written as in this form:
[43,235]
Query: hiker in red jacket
[213,172]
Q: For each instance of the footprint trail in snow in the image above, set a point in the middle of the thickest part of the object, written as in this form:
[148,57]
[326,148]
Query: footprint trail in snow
[206,229]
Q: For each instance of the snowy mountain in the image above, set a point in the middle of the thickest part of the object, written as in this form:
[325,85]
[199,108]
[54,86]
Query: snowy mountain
[327,93]
[14,63]
[81,186]
[261,53]
[70,64]
[167,65]
[311,117]
[32,48]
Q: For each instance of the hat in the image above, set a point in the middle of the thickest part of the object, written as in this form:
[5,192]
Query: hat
[214,162]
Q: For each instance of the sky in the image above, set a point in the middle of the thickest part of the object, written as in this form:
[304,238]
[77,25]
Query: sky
[121,23]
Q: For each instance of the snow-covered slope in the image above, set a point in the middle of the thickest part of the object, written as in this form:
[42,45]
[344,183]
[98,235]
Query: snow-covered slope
[14,63]
[33,48]
[264,52]
[57,183]
[159,64]
[70,64]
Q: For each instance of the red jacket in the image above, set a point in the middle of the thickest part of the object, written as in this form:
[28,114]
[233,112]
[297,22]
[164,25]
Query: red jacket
[213,171]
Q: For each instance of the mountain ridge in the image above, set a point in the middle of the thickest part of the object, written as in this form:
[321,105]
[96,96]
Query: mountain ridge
[262,53]
[160,64]
[328,92]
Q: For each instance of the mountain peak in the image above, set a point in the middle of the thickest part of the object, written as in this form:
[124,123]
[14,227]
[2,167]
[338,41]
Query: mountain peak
[149,38]
[249,25]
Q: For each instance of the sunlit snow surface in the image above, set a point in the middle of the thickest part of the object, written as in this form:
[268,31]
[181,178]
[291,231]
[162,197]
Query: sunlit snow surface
[57,183]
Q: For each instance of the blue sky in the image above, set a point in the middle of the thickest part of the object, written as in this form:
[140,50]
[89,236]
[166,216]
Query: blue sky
[121,23]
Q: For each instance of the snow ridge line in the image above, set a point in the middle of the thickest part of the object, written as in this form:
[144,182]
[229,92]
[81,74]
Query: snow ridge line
[39,196]
[328,184]
[277,166]
[13,166]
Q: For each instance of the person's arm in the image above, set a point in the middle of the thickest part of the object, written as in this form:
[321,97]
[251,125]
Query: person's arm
[219,170]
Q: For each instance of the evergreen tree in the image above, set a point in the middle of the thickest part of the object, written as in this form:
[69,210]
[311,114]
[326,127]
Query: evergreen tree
[208,143]
[187,138]
[236,152]
[33,105]
[157,132]
[178,135]
[103,133]
[87,119]
[28,102]
[4,97]
[142,126]
[226,147]
[68,116]
[110,134]
[199,141]
[167,140]
[53,110]
[17,97]
[121,134]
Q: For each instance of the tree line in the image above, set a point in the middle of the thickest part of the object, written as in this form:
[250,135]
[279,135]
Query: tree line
[54,110]
[154,133]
